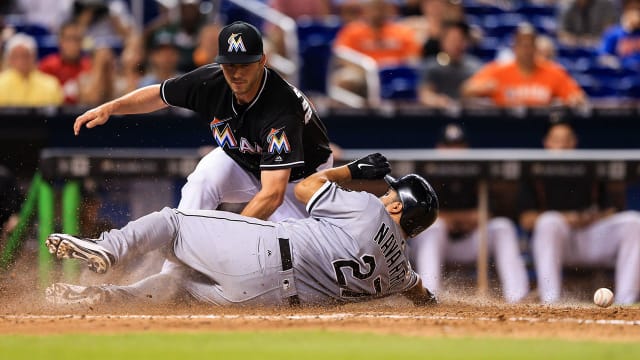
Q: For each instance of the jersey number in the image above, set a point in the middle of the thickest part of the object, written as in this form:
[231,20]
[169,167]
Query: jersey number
[340,265]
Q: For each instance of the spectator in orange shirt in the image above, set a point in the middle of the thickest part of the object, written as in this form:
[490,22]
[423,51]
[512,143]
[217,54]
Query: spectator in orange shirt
[69,62]
[378,37]
[527,80]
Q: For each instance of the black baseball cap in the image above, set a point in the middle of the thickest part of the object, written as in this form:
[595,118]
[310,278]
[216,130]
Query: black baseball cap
[239,43]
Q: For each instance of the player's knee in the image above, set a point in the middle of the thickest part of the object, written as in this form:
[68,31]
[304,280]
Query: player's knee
[503,225]
[551,220]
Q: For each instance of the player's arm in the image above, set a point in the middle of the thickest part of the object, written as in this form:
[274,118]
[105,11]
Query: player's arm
[374,166]
[143,100]
[420,296]
[271,195]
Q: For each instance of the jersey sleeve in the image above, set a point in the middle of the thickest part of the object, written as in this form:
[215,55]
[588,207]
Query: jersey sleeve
[282,145]
[337,205]
[182,91]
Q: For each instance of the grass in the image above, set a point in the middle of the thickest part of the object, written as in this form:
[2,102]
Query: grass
[302,345]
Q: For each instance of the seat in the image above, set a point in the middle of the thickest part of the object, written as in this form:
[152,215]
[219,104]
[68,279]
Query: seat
[315,38]
[529,10]
[399,83]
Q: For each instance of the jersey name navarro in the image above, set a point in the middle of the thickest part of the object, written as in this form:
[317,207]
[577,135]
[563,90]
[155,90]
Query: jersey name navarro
[278,130]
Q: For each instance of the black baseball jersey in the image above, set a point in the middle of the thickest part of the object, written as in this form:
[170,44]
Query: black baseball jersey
[279,129]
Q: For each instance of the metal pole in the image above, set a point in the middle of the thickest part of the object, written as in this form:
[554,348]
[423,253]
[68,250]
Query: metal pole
[70,224]
[483,253]
[45,227]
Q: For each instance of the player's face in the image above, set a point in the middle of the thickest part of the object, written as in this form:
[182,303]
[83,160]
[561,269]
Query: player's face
[560,137]
[244,79]
[389,197]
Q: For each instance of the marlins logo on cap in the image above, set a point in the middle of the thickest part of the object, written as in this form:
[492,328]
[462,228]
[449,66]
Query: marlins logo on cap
[235,43]
[239,43]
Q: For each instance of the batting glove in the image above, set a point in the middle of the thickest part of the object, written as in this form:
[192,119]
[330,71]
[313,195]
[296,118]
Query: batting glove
[371,167]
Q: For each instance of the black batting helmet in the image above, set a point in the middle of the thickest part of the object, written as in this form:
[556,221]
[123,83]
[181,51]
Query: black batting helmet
[419,202]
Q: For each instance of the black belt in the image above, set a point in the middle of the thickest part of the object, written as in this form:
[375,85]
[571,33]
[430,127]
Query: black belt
[287,263]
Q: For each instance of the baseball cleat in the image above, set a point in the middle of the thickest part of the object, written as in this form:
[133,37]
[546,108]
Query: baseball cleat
[65,246]
[67,294]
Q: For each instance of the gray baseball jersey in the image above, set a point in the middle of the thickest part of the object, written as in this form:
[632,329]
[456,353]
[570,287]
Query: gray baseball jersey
[350,249]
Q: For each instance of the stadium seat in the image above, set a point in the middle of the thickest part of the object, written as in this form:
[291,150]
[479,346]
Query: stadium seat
[576,51]
[399,83]
[315,39]
[630,87]
[482,10]
[529,10]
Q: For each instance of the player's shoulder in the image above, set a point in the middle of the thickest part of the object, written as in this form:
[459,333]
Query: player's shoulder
[279,89]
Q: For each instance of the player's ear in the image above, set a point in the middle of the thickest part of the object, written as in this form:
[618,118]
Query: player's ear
[394,207]
[263,60]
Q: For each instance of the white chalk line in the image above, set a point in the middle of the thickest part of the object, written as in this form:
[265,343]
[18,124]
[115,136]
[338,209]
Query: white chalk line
[337,316]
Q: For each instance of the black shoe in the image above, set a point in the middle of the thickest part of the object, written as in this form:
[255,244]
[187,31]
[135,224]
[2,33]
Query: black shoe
[70,247]
[67,294]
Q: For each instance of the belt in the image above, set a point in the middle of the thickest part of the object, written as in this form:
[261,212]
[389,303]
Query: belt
[287,264]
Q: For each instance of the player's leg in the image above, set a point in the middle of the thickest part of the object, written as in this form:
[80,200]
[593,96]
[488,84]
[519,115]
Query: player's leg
[427,254]
[158,288]
[503,243]
[238,256]
[138,237]
[550,240]
[217,179]
[615,241]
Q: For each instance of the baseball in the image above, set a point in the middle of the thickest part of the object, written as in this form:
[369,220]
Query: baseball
[603,297]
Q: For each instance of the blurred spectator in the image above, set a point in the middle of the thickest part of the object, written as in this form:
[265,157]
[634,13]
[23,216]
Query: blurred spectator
[574,224]
[106,23]
[454,236]
[9,202]
[443,75]
[21,83]
[621,44]
[375,36]
[295,9]
[427,24]
[348,10]
[436,14]
[109,78]
[186,30]
[583,21]
[546,47]
[46,13]
[527,80]
[69,62]
[163,59]
[98,85]
[207,48]
[132,66]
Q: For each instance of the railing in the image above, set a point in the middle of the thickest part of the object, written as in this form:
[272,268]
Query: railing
[372,78]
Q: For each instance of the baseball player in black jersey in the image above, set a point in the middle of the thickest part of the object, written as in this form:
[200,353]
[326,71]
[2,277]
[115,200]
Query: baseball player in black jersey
[268,133]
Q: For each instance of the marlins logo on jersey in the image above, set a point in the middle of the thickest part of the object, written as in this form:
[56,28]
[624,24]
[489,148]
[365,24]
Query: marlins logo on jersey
[278,141]
[224,137]
[235,43]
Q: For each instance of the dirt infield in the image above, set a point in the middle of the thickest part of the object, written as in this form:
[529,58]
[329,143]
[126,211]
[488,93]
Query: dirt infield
[23,311]
[459,319]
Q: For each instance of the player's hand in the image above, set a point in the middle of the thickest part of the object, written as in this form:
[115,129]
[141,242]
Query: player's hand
[93,118]
[371,167]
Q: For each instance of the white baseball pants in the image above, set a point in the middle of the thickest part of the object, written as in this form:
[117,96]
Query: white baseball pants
[610,242]
[432,247]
